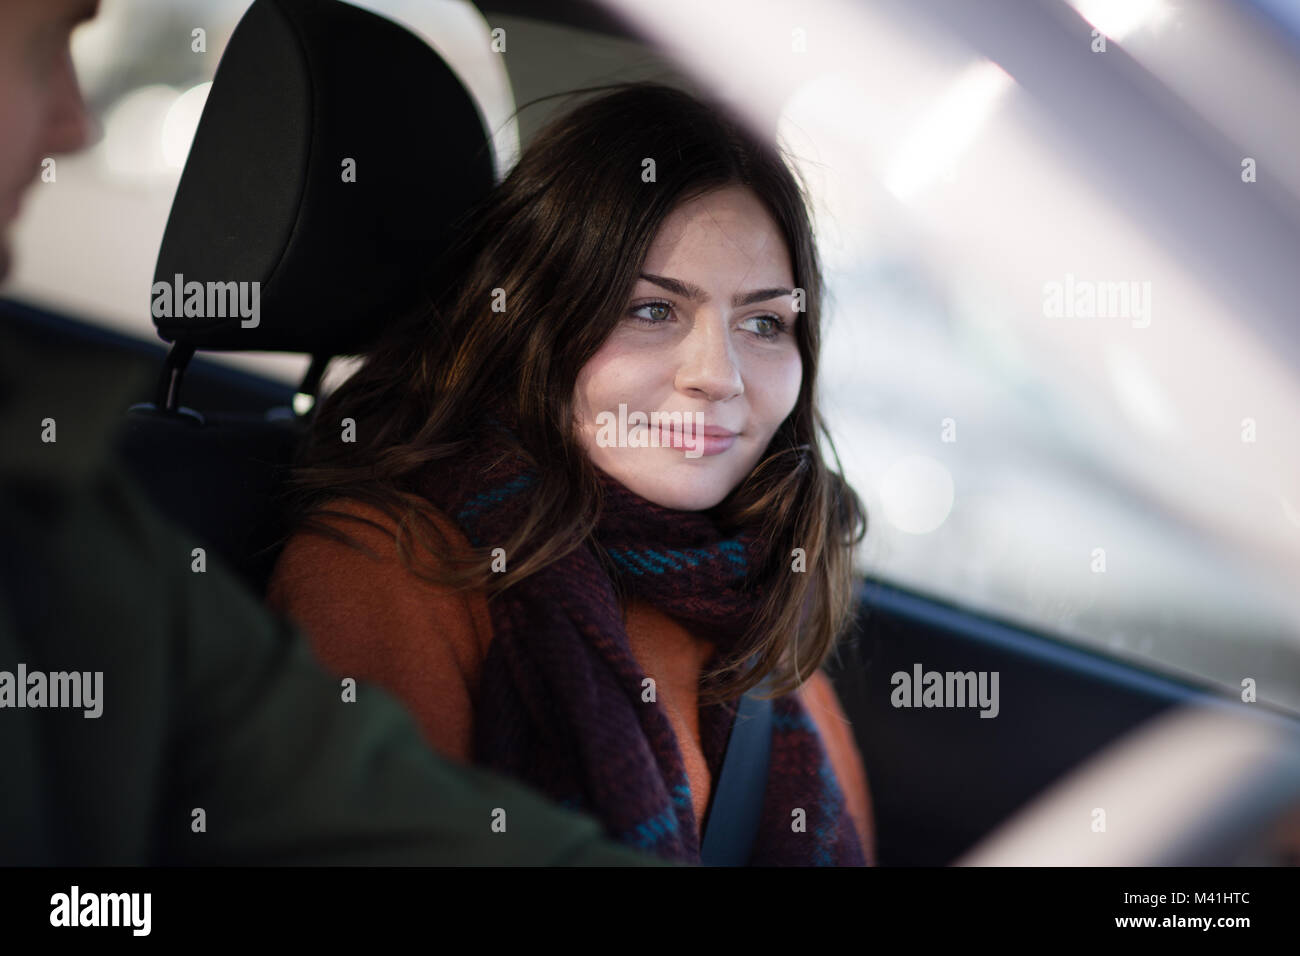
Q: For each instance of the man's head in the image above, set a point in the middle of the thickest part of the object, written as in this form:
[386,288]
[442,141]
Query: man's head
[41,111]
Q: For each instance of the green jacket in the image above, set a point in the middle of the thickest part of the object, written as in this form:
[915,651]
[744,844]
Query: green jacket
[208,702]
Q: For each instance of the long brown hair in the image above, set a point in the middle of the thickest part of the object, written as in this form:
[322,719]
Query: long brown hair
[564,236]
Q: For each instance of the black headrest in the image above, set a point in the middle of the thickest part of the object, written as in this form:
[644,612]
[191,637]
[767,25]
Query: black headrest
[303,86]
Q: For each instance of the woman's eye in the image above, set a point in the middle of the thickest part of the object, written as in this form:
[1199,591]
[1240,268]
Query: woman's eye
[769,326]
[652,313]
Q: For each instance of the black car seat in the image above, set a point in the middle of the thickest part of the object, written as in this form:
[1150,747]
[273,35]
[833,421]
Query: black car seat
[334,162]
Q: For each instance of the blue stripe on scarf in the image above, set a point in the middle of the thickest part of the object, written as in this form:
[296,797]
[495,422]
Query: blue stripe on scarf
[796,721]
[650,561]
[491,498]
[646,835]
[826,831]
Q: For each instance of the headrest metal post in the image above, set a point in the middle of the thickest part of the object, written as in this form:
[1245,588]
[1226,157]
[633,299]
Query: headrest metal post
[168,396]
[311,381]
[304,400]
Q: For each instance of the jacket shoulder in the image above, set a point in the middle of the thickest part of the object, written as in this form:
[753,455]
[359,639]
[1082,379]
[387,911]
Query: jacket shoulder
[370,616]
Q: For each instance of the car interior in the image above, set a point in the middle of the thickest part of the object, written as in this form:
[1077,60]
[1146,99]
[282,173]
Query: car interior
[303,85]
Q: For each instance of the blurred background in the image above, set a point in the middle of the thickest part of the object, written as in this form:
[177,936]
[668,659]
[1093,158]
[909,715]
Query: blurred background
[1061,239]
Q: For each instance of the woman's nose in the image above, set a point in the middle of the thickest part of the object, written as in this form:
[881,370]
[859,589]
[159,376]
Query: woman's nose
[709,367]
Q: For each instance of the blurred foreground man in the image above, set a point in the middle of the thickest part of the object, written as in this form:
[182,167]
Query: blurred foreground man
[152,715]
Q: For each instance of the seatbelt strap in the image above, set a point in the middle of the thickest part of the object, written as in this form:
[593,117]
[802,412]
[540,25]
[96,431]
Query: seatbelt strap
[738,797]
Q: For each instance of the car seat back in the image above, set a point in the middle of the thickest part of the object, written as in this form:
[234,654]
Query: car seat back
[333,166]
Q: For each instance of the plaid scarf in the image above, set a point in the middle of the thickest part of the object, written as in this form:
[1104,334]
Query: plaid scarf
[560,703]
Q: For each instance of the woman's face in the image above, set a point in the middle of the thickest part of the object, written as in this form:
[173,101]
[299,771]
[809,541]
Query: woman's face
[707,334]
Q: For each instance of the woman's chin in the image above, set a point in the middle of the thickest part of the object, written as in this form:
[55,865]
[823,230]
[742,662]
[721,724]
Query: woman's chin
[679,488]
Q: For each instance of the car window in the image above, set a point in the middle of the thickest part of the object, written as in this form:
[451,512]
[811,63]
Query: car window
[1060,361]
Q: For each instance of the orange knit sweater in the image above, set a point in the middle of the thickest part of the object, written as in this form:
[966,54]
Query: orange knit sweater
[370,618]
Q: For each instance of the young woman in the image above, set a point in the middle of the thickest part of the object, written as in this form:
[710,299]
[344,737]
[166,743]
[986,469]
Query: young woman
[577,507]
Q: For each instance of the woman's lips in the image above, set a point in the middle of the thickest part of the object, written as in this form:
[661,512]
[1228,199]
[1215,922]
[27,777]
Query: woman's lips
[710,440]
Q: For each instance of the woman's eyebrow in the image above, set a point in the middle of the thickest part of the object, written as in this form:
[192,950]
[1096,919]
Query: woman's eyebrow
[695,294]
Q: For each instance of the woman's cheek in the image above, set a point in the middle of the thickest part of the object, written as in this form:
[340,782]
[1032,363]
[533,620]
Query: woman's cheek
[779,378]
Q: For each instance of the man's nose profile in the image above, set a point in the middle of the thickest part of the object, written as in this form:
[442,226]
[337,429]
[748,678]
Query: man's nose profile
[69,122]
[42,111]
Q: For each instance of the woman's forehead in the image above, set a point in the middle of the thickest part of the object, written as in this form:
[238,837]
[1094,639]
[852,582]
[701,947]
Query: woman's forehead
[728,229]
